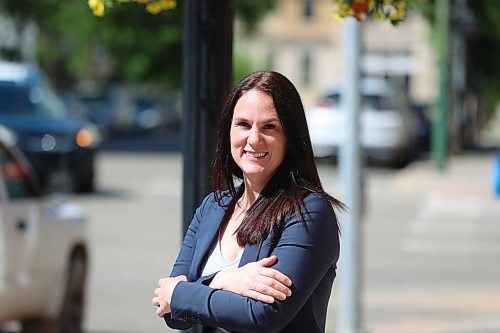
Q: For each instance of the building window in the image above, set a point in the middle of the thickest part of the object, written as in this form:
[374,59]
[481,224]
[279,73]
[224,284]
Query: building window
[308,10]
[306,69]
[270,59]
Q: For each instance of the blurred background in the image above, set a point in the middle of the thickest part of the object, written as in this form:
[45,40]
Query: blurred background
[90,151]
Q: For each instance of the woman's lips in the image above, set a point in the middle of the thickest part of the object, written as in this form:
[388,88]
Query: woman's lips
[255,155]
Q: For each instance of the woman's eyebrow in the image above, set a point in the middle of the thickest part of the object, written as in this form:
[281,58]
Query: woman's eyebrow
[239,119]
[269,120]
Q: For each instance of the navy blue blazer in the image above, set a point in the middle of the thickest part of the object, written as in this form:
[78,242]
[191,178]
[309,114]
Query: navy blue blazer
[307,252]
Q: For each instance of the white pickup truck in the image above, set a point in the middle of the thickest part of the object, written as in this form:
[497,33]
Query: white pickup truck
[43,251]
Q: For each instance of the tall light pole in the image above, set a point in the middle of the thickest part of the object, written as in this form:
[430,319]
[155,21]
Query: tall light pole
[349,294]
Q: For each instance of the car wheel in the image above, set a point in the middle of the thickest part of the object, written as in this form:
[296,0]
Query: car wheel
[84,184]
[71,315]
[400,162]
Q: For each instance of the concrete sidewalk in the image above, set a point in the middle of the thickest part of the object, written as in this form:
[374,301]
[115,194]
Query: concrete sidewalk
[431,247]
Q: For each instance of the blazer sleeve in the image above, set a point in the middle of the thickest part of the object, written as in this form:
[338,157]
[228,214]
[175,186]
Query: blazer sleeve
[185,257]
[306,250]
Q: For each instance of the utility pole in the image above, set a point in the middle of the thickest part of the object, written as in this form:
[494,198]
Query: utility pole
[349,309]
[439,136]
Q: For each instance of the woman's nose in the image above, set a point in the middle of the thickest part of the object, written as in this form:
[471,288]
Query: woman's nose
[254,136]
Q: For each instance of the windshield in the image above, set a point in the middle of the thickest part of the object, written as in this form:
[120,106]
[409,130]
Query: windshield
[15,100]
[376,102]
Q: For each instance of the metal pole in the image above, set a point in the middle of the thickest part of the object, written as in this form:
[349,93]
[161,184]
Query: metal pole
[349,308]
[207,77]
[439,125]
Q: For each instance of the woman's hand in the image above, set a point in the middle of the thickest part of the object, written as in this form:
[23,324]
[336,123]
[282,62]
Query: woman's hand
[255,280]
[163,294]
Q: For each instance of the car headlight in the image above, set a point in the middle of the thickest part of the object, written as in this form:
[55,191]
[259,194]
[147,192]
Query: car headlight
[88,137]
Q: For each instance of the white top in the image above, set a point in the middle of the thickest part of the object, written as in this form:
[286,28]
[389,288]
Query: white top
[216,263]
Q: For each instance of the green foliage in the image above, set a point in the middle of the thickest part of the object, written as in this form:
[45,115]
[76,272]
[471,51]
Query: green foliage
[64,29]
[145,47]
[242,64]
[483,44]
[251,11]
[424,7]
[484,47]
[127,44]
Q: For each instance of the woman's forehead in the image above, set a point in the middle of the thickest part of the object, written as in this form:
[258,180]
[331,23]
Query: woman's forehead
[255,103]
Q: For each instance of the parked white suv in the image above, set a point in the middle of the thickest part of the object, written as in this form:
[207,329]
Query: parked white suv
[43,251]
[388,126]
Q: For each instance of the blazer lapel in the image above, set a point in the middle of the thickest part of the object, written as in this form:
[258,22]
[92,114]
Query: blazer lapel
[260,250]
[250,254]
[207,234]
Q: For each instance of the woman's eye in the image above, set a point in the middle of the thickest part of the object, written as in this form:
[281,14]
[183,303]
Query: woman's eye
[269,126]
[242,124]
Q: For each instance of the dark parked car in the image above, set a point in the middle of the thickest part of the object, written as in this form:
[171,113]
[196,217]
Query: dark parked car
[110,108]
[422,111]
[119,110]
[54,141]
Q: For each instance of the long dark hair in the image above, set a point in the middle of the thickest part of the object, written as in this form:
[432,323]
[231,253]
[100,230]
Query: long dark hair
[296,177]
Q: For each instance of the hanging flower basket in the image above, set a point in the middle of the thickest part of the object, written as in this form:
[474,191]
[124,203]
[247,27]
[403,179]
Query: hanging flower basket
[388,10]
[99,7]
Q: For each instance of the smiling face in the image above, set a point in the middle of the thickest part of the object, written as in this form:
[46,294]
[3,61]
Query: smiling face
[258,143]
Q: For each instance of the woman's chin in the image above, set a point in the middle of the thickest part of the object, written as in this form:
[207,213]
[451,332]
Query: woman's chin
[255,173]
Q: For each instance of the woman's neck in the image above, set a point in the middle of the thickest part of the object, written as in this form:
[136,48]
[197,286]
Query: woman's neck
[251,192]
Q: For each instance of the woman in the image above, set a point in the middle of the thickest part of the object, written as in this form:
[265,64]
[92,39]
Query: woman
[268,209]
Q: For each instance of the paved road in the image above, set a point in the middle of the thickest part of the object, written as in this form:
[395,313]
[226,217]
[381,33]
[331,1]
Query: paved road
[431,244]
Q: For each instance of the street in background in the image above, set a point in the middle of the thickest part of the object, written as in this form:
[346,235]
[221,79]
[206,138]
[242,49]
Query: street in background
[429,241]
